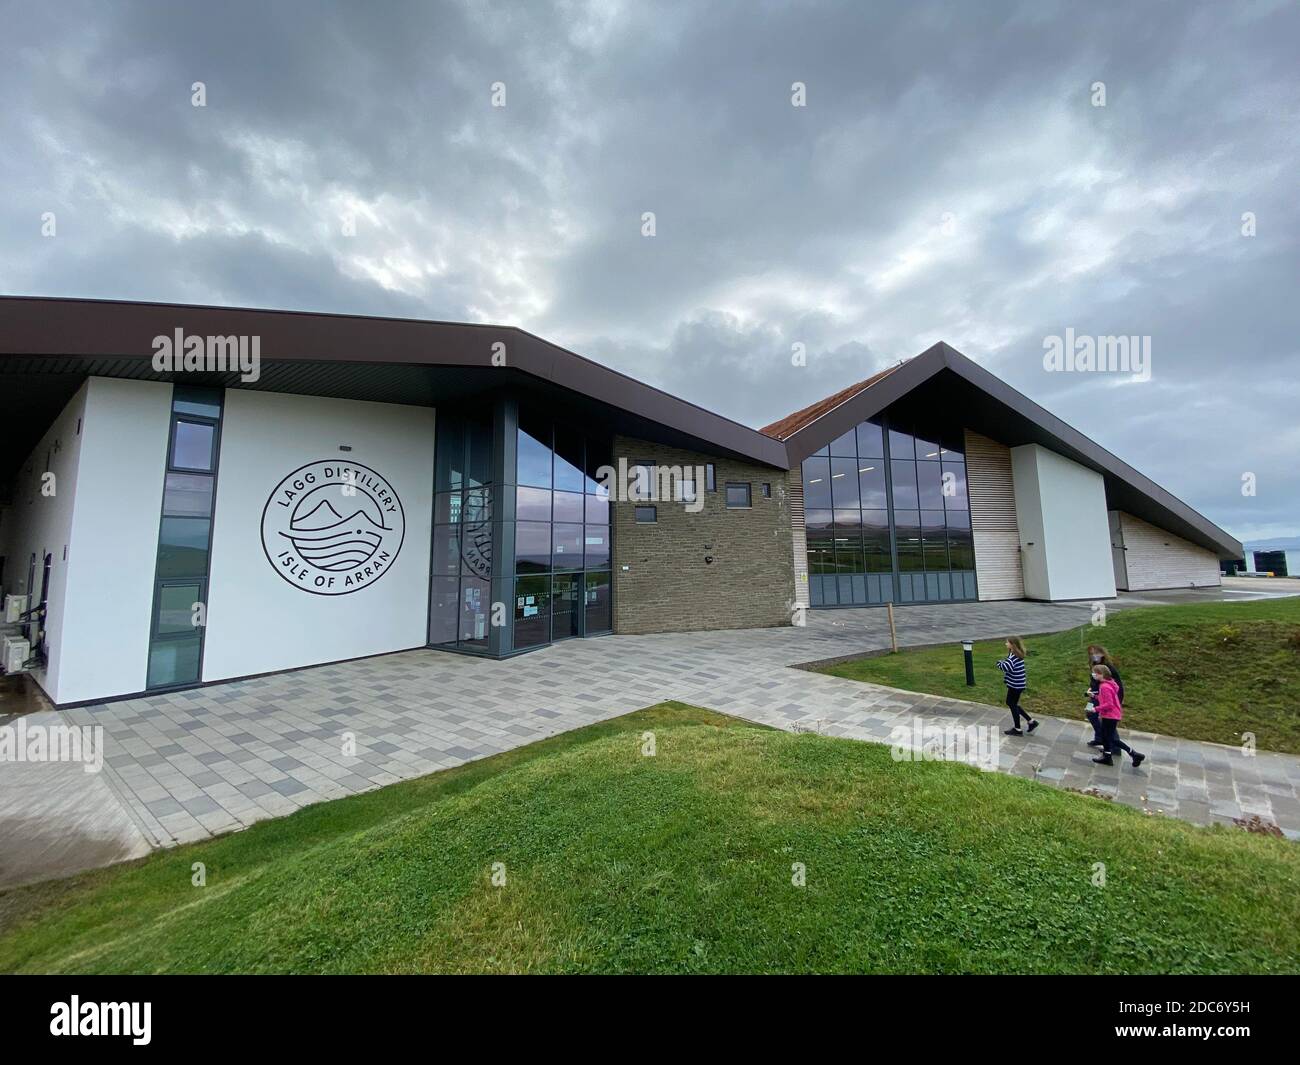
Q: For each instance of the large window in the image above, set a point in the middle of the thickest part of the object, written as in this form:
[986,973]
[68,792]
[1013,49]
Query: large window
[562,533]
[464,502]
[184,539]
[539,545]
[887,516]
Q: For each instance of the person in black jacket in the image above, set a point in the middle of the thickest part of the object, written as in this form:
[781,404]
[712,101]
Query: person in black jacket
[1098,656]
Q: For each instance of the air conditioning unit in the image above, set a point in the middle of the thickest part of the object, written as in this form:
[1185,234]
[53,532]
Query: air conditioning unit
[15,651]
[15,607]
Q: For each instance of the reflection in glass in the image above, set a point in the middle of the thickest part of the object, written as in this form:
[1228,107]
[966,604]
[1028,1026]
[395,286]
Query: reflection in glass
[568,506]
[817,484]
[192,445]
[597,547]
[532,504]
[176,607]
[534,453]
[532,547]
[930,482]
[871,441]
[900,445]
[844,483]
[173,662]
[183,547]
[955,483]
[845,445]
[903,475]
[568,547]
[187,495]
[568,461]
[599,616]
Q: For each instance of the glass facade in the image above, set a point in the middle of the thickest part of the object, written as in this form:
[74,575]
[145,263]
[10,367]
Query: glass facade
[561,533]
[464,503]
[888,518]
[184,538]
[521,538]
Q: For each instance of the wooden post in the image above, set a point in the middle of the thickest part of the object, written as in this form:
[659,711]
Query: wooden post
[893,633]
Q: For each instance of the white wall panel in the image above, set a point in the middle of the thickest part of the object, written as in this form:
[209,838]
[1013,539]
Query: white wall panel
[258,621]
[114,550]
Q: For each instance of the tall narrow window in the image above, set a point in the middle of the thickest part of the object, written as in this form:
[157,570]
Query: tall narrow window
[185,539]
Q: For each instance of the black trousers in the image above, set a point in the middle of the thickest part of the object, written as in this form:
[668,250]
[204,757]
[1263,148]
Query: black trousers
[1110,741]
[1013,704]
[1095,718]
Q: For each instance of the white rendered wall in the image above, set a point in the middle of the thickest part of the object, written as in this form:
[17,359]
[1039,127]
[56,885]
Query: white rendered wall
[1064,529]
[257,621]
[113,552]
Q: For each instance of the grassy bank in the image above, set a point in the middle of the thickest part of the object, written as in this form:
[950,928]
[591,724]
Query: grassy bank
[1205,671]
[683,862]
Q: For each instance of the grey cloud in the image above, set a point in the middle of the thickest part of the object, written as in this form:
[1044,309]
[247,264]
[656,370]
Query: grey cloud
[823,225]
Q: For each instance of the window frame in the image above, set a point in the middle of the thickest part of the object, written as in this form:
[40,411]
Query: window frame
[749,495]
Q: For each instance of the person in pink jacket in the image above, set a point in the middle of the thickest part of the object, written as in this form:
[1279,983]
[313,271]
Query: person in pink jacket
[1109,712]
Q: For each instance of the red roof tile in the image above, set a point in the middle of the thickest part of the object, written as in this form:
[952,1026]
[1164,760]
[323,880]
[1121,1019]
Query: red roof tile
[792,423]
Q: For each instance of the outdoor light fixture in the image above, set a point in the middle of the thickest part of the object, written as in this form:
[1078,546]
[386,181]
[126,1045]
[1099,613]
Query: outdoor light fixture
[966,648]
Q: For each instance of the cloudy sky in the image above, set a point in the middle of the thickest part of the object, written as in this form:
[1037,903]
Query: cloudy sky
[950,177]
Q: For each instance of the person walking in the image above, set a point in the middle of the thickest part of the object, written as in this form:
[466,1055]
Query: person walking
[1017,679]
[1098,655]
[1111,711]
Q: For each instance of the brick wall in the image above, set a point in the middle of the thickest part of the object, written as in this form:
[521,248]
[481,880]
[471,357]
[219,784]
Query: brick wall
[668,587]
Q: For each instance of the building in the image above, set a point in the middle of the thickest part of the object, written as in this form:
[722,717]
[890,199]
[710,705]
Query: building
[1281,558]
[179,512]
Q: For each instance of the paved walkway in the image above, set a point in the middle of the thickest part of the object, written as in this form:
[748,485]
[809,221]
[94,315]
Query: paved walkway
[194,764]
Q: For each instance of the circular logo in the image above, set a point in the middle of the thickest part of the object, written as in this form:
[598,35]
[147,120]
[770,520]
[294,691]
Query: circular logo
[332,528]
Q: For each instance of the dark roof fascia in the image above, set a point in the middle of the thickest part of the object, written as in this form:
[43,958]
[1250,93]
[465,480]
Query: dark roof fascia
[1066,439]
[862,405]
[1089,453]
[57,327]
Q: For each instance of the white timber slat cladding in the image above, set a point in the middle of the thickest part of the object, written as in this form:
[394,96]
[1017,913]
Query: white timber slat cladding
[993,519]
[1154,558]
[794,485]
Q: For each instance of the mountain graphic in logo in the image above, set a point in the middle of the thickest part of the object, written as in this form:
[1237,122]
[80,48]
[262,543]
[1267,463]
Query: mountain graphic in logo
[330,541]
[332,528]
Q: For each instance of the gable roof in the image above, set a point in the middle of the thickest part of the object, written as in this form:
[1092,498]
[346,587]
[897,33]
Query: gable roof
[792,423]
[986,404]
[49,344]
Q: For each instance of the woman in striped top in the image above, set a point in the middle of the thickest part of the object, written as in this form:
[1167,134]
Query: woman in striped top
[1013,672]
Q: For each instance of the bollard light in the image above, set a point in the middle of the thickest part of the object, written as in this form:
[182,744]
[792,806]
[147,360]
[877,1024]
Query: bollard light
[967,647]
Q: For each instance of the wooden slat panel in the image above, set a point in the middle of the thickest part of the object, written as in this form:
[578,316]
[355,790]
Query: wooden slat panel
[993,519]
[1155,558]
[794,486]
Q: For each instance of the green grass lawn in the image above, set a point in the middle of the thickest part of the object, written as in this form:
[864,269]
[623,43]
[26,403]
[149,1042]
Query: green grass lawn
[1206,671]
[682,862]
